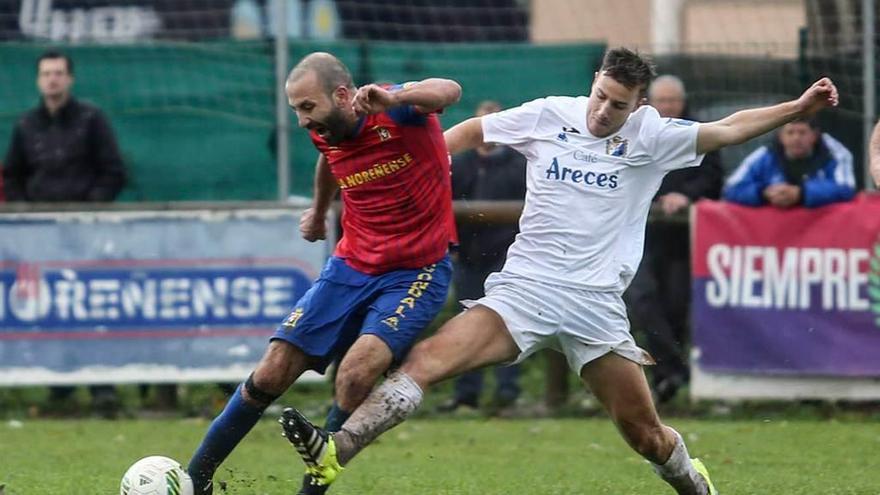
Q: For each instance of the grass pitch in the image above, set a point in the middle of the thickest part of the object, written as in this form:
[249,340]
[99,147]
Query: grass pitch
[475,456]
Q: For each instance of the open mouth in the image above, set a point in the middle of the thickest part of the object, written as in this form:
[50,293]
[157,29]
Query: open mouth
[321,131]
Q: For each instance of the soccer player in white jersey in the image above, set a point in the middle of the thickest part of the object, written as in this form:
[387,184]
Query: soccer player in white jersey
[594,163]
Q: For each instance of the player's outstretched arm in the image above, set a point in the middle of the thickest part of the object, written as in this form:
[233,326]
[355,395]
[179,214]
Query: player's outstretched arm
[313,224]
[429,95]
[464,135]
[875,155]
[747,124]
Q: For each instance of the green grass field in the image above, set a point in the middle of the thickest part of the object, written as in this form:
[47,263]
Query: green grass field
[457,456]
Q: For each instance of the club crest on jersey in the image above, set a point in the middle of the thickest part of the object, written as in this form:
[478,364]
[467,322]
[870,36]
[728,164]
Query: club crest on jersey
[562,137]
[616,146]
[384,134]
[294,317]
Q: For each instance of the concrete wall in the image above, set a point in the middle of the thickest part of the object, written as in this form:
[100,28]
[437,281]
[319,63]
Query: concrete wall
[707,26]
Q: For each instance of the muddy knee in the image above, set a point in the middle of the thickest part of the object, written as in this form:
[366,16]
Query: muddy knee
[353,385]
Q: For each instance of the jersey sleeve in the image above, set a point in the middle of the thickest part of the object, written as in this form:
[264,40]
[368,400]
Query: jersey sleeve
[671,143]
[405,114]
[514,127]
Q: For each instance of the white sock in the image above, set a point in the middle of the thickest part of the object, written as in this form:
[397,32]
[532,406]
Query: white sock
[386,407]
[679,472]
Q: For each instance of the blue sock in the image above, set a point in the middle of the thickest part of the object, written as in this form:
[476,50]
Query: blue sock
[335,418]
[236,420]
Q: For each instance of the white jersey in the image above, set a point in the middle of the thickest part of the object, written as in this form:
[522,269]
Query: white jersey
[587,199]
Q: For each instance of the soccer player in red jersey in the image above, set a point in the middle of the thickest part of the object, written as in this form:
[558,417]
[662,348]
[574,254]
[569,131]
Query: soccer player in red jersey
[383,148]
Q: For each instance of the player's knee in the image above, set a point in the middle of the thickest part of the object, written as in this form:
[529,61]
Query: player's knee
[269,380]
[353,385]
[259,391]
[278,369]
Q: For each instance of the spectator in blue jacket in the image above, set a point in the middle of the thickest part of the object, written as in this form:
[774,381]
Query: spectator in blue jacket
[803,167]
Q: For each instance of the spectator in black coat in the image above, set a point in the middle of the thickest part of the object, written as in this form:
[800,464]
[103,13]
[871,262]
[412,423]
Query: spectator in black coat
[64,150]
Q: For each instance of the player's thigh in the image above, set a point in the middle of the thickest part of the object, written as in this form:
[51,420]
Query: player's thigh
[327,318]
[408,302]
[475,338]
[621,387]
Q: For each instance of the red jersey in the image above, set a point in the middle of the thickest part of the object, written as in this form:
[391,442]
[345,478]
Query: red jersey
[396,191]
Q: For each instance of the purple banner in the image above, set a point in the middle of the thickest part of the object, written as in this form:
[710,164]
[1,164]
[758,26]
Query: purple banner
[787,292]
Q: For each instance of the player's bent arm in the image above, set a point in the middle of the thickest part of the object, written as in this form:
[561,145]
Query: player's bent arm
[744,125]
[429,95]
[464,135]
[875,155]
[325,186]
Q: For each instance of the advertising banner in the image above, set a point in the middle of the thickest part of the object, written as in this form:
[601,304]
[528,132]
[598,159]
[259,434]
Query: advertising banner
[146,296]
[787,292]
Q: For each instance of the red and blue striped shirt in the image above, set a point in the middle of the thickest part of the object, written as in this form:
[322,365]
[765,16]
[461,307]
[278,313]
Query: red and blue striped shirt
[394,176]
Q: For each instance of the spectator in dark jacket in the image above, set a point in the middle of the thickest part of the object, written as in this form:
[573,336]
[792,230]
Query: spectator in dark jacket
[802,167]
[659,295]
[63,150]
[488,172]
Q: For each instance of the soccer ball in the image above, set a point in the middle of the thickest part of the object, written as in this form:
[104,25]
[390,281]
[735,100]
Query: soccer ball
[156,475]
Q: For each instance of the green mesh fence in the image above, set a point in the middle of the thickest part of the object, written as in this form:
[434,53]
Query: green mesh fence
[195,121]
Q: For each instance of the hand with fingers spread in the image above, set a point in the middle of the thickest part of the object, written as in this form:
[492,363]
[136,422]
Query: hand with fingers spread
[372,99]
[822,94]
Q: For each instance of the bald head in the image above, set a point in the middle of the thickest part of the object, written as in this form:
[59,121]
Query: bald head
[329,71]
[667,95]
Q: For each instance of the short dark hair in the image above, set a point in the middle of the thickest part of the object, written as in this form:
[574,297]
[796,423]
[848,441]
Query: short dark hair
[330,70]
[810,121]
[54,54]
[628,68]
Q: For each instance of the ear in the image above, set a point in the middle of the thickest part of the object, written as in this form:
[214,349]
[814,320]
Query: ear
[341,96]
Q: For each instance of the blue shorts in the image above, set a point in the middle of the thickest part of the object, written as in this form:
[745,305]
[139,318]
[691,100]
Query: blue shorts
[345,303]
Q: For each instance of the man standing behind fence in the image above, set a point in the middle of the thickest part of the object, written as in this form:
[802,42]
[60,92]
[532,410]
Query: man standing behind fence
[64,150]
[659,295]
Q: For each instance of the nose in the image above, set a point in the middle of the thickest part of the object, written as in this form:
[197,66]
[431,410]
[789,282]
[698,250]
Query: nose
[302,121]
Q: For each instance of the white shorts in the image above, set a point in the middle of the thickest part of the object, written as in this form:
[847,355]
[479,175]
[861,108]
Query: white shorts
[584,325]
